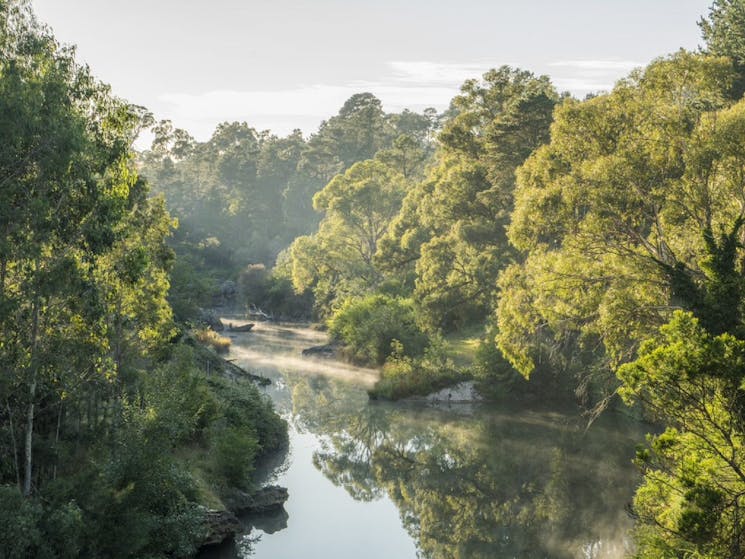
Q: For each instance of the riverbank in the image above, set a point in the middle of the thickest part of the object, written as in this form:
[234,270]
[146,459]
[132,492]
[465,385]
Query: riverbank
[222,464]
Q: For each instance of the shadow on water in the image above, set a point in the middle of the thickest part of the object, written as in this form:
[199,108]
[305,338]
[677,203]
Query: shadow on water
[411,480]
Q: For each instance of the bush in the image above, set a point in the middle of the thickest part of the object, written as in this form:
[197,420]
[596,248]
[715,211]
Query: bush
[179,397]
[370,324]
[28,529]
[404,376]
[234,452]
[245,408]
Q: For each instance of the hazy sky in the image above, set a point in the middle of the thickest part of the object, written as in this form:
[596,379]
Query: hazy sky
[284,64]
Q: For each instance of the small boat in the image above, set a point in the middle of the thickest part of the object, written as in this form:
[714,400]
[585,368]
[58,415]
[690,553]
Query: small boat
[241,328]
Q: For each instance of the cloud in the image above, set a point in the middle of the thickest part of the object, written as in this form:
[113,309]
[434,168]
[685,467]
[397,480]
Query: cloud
[582,85]
[316,100]
[588,76]
[599,65]
[436,73]
[415,85]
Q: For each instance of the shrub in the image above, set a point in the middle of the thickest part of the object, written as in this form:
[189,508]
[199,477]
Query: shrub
[234,453]
[403,376]
[370,324]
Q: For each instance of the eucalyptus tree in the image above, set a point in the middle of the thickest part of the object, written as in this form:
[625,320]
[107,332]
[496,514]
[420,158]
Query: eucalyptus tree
[633,209]
[450,234]
[358,206]
[68,191]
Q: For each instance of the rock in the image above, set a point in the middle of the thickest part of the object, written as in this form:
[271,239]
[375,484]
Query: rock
[220,525]
[464,392]
[327,350]
[273,521]
[269,498]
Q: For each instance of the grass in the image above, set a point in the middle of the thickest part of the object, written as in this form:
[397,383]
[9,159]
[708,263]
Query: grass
[198,463]
[403,376]
[210,338]
[462,346]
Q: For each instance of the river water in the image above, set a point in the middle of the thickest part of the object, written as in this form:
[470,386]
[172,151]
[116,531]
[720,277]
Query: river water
[370,480]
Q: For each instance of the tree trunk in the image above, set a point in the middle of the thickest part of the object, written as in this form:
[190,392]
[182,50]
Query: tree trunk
[56,441]
[32,396]
[15,444]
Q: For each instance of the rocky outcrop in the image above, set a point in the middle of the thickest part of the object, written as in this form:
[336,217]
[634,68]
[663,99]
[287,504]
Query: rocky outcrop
[220,525]
[266,499]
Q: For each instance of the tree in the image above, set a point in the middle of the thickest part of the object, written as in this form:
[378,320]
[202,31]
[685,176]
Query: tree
[632,210]
[358,208]
[69,215]
[452,225]
[369,325]
[724,33]
[691,501]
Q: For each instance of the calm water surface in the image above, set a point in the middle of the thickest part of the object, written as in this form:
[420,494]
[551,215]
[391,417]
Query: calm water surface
[406,481]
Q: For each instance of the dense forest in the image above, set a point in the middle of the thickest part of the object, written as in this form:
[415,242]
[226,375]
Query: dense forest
[112,437]
[545,247]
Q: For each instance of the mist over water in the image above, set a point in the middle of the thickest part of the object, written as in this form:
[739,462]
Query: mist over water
[408,480]
[274,349]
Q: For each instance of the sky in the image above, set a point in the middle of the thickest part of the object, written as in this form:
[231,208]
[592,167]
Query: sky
[286,64]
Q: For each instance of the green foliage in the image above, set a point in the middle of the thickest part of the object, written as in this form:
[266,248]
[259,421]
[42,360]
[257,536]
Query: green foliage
[691,498]
[724,33]
[273,290]
[178,399]
[234,454]
[95,399]
[28,530]
[190,289]
[629,212]
[403,376]
[243,196]
[244,408]
[337,261]
[370,324]
[137,498]
[451,230]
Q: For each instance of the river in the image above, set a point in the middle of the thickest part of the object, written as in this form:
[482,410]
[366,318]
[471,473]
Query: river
[371,480]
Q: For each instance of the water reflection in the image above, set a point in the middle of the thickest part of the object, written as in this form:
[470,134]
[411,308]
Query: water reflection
[467,481]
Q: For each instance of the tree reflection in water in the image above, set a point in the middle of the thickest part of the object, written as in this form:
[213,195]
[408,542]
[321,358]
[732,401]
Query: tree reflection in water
[478,481]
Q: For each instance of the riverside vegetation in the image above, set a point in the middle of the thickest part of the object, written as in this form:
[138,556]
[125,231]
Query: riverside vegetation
[112,437]
[594,247]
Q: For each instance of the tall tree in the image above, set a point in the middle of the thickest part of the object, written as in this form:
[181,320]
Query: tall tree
[68,185]
[633,209]
[452,226]
[358,207]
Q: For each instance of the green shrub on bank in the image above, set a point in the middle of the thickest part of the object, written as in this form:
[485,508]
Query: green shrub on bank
[134,489]
[370,324]
[234,453]
[27,529]
[403,376]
